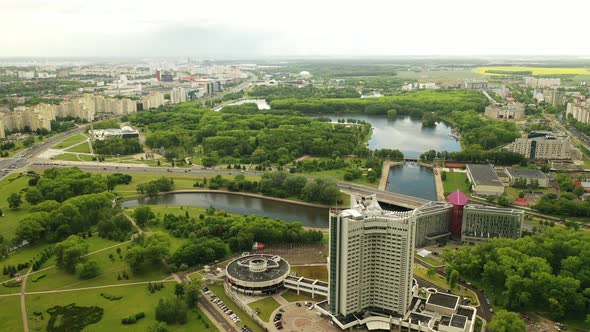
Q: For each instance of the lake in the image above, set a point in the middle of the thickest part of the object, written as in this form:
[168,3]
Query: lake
[405,134]
[309,216]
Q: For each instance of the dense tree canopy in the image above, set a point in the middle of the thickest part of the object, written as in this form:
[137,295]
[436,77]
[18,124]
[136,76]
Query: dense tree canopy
[411,103]
[548,271]
[117,146]
[285,92]
[255,136]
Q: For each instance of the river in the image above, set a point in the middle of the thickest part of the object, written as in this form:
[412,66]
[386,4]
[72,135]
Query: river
[413,180]
[309,216]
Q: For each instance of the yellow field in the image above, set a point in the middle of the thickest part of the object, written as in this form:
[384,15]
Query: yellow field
[535,70]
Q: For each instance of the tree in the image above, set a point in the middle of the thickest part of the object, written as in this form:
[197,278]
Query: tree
[33,196]
[88,270]
[179,290]
[191,296]
[431,272]
[578,191]
[70,252]
[171,311]
[453,278]
[31,228]
[443,176]
[143,214]
[506,321]
[135,258]
[503,201]
[14,201]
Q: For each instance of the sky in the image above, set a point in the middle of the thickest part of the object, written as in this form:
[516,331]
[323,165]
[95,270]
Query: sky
[271,28]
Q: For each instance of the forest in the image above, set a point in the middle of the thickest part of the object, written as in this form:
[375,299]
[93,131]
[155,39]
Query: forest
[251,135]
[68,202]
[548,272]
[410,103]
[285,92]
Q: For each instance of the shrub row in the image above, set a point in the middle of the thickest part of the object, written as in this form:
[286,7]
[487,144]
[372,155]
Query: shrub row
[110,297]
[132,319]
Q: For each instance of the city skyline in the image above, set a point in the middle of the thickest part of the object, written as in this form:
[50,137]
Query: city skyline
[232,29]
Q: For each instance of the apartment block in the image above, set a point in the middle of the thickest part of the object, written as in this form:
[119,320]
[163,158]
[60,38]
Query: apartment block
[579,109]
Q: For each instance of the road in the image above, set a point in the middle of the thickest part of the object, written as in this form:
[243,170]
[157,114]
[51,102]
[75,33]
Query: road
[213,311]
[21,159]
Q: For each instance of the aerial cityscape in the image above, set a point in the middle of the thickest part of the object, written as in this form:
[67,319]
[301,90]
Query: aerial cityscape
[300,167]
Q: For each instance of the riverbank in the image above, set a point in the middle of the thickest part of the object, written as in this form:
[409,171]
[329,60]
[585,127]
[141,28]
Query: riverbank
[385,173]
[440,189]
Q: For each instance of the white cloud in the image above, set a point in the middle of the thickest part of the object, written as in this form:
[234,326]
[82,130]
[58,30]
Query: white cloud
[225,28]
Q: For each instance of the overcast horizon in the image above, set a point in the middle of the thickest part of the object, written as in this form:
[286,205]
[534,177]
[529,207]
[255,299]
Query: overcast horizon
[302,29]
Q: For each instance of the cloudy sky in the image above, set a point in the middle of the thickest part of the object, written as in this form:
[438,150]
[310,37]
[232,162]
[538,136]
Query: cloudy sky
[254,28]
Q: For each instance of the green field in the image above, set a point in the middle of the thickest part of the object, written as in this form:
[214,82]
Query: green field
[534,70]
[319,272]
[246,320]
[456,181]
[110,269]
[70,141]
[135,299]
[73,157]
[10,315]
[80,148]
[13,183]
[266,307]
[431,260]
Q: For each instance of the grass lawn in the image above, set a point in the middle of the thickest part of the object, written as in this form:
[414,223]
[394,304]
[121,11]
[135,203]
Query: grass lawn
[81,148]
[535,70]
[319,272]
[10,315]
[421,272]
[456,181]
[266,306]
[196,277]
[18,146]
[70,141]
[246,320]
[431,260]
[292,296]
[73,157]
[58,279]
[135,299]
[14,183]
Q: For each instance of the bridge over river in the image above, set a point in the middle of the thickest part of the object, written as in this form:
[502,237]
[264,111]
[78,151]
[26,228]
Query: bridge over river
[392,198]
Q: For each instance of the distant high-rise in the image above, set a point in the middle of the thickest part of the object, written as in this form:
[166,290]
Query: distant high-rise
[158,75]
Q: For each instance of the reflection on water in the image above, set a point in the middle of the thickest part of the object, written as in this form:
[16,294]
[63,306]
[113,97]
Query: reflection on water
[309,216]
[261,103]
[405,134]
[412,179]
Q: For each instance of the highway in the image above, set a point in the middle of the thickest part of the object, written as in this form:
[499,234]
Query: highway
[21,159]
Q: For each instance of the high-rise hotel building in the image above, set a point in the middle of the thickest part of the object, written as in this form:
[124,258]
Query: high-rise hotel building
[371,259]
